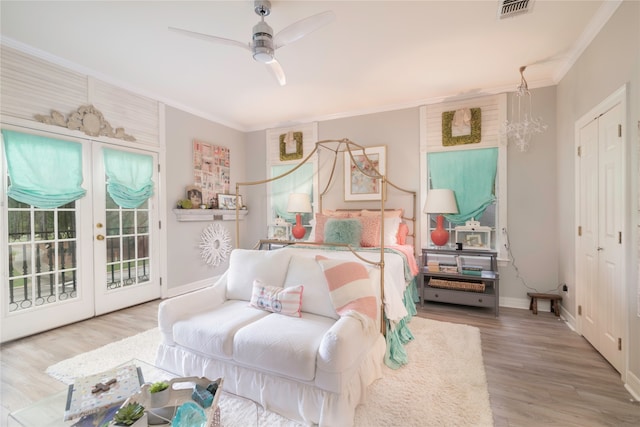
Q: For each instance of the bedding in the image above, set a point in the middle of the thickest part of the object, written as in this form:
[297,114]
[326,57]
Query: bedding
[400,289]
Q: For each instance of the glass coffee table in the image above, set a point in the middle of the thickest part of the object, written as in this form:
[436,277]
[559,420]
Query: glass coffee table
[49,411]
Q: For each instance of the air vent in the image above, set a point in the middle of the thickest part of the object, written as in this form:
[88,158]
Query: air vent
[509,8]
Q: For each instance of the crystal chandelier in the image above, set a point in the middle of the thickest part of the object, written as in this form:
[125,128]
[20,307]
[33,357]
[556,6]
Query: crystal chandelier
[522,125]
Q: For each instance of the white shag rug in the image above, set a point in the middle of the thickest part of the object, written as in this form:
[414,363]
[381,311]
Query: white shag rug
[444,383]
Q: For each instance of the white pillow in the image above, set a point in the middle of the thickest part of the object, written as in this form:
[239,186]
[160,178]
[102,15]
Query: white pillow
[316,300]
[391,230]
[278,300]
[312,235]
[247,265]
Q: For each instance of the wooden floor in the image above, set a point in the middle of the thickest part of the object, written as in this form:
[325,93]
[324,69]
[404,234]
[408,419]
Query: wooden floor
[539,371]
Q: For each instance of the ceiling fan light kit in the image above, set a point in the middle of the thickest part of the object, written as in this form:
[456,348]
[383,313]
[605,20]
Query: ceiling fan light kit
[263,44]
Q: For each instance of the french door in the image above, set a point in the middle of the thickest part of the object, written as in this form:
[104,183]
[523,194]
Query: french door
[79,260]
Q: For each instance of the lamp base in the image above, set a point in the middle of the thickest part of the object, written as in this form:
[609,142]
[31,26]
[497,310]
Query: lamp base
[298,230]
[440,236]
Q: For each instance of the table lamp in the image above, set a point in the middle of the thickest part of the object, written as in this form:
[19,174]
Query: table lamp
[299,203]
[440,201]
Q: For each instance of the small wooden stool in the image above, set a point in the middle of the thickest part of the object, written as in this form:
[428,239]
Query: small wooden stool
[553,299]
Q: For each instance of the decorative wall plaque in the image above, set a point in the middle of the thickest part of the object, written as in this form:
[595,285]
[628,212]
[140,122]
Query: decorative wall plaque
[461,126]
[87,119]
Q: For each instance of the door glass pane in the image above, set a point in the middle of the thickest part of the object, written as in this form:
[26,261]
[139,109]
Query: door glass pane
[42,258]
[127,245]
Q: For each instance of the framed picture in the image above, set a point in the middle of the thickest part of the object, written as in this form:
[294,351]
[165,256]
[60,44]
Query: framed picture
[359,181]
[229,201]
[461,126]
[279,232]
[194,194]
[473,240]
[290,146]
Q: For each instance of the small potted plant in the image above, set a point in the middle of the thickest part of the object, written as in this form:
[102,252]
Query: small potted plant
[159,393]
[131,414]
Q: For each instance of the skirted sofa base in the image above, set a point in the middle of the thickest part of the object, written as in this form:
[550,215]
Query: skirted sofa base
[294,399]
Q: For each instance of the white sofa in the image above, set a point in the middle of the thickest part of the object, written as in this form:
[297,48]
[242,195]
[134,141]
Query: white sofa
[314,368]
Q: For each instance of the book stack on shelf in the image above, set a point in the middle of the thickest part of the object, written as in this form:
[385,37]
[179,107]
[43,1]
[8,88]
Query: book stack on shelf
[449,268]
[433,266]
[472,270]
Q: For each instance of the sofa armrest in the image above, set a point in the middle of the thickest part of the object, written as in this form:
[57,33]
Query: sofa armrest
[183,306]
[344,343]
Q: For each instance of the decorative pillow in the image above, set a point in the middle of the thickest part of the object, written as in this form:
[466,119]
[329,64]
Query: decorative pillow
[391,230]
[285,301]
[338,230]
[335,214]
[312,234]
[320,222]
[370,231]
[403,232]
[350,288]
[387,213]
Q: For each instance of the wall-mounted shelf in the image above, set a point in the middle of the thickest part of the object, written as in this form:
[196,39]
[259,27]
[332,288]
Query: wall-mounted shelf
[209,214]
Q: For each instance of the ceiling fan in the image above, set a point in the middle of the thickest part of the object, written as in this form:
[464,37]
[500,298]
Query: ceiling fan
[263,44]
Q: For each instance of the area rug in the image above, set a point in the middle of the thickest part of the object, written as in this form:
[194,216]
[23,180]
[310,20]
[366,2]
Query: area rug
[444,383]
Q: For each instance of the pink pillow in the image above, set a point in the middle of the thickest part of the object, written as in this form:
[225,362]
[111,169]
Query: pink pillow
[335,214]
[370,231]
[350,288]
[285,301]
[387,213]
[403,232]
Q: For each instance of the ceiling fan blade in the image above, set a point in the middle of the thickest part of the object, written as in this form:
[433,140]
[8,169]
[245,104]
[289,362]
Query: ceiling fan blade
[277,71]
[211,38]
[301,28]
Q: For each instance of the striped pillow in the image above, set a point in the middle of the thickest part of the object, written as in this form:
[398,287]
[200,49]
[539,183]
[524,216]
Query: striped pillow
[285,301]
[349,287]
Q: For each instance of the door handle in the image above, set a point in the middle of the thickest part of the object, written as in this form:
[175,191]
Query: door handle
[600,248]
[99,237]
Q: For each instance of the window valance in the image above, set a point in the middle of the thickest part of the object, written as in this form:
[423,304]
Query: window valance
[44,172]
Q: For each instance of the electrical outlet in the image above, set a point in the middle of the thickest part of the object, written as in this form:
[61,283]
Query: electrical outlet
[565,288]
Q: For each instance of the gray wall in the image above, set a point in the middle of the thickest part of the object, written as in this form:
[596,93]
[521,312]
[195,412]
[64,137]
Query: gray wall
[610,61]
[184,263]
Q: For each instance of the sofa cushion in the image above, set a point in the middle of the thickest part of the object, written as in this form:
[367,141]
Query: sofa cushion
[283,345]
[315,300]
[278,300]
[246,265]
[212,332]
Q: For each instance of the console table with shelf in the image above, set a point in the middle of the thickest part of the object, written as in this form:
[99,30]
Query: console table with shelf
[472,275]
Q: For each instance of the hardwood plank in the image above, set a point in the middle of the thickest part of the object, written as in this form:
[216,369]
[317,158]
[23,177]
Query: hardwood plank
[539,371]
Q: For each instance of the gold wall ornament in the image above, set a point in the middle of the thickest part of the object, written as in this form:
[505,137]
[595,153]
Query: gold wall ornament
[461,126]
[87,119]
[291,146]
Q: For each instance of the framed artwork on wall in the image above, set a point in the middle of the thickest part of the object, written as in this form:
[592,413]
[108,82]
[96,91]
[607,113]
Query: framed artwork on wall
[359,181]
[290,146]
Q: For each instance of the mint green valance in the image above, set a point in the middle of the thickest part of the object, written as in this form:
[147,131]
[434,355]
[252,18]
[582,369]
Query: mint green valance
[129,177]
[44,172]
[471,174]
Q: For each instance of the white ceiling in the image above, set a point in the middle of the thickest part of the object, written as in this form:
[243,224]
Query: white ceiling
[375,56]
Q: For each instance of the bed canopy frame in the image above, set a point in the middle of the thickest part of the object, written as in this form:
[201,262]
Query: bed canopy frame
[335,147]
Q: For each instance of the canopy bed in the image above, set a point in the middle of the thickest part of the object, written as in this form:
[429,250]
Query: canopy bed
[383,240]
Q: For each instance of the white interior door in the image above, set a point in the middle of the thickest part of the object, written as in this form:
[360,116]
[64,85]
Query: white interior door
[601,258]
[125,255]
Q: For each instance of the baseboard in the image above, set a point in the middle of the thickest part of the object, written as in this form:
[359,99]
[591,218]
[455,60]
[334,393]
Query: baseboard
[633,385]
[190,287]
